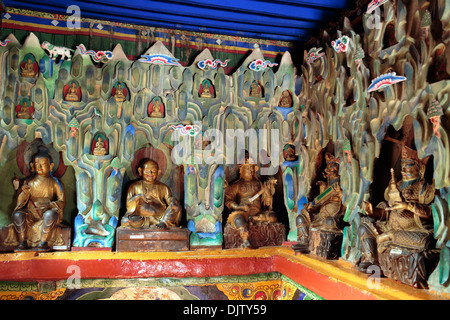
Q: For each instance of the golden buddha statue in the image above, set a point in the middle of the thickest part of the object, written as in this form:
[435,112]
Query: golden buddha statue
[28,68]
[99,149]
[326,210]
[119,93]
[286,99]
[255,89]
[404,219]
[206,89]
[40,205]
[150,202]
[73,93]
[23,111]
[155,109]
[249,201]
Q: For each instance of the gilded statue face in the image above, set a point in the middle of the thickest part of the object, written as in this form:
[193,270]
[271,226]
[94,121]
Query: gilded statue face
[149,172]
[247,171]
[410,170]
[332,169]
[42,166]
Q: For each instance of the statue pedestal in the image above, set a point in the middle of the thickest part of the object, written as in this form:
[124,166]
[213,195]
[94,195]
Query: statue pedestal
[65,233]
[261,235]
[174,239]
[326,243]
[409,266]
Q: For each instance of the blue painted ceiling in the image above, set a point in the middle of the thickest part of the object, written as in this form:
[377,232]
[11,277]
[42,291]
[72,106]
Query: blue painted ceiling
[285,20]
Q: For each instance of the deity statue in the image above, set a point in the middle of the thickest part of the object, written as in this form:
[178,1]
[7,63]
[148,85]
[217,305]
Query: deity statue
[150,202]
[40,205]
[99,149]
[404,219]
[206,89]
[289,152]
[325,212]
[119,93]
[72,93]
[249,201]
[29,68]
[255,89]
[23,110]
[156,108]
[286,99]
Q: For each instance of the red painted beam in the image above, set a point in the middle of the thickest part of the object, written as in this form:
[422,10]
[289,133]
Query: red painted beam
[58,269]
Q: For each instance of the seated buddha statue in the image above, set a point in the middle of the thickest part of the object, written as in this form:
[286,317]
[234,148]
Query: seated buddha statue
[150,202]
[255,89]
[99,149]
[326,210]
[28,69]
[119,93]
[73,93]
[206,89]
[40,205]
[286,99]
[24,111]
[249,201]
[155,109]
[404,219]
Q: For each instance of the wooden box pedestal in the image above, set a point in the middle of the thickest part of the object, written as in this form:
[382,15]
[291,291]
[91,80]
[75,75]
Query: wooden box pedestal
[326,243]
[174,239]
[412,267]
[261,235]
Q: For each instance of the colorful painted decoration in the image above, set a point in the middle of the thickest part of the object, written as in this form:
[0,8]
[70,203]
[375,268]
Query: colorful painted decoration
[97,56]
[434,114]
[259,65]
[188,129]
[384,81]
[341,44]
[348,150]
[4,43]
[74,125]
[159,59]
[55,51]
[359,55]
[375,4]
[209,64]
[314,54]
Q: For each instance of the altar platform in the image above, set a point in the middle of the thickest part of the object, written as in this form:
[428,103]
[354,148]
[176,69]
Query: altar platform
[234,274]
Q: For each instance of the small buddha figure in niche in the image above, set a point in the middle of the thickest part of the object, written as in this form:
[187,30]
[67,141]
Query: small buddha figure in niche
[29,68]
[206,89]
[249,201]
[255,89]
[40,205]
[25,109]
[286,99]
[156,108]
[72,92]
[150,202]
[99,149]
[289,152]
[119,92]
[326,210]
[404,219]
